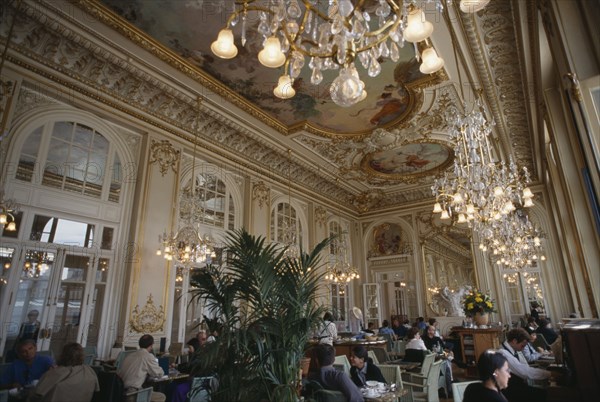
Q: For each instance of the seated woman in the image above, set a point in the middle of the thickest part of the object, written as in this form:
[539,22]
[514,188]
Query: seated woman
[415,347]
[71,381]
[494,375]
[363,369]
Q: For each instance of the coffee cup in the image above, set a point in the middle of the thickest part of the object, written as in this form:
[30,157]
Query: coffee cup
[381,386]
[371,392]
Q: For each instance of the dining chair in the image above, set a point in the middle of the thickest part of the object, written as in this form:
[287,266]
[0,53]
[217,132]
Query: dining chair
[382,354]
[342,363]
[393,375]
[141,395]
[373,357]
[122,355]
[428,390]
[399,349]
[458,389]
[201,389]
[421,376]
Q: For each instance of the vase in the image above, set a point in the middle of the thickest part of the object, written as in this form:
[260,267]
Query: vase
[481,319]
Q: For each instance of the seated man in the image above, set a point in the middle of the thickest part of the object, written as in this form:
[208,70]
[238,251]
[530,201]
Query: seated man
[28,367]
[518,388]
[332,379]
[138,365]
[530,352]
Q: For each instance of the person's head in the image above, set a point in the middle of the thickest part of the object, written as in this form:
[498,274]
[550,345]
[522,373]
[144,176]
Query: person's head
[430,331]
[420,319]
[72,355]
[432,321]
[413,333]
[534,304]
[325,355]
[359,356]
[146,341]
[531,320]
[202,337]
[33,315]
[517,338]
[371,325]
[328,316]
[532,337]
[385,323]
[26,350]
[395,322]
[492,366]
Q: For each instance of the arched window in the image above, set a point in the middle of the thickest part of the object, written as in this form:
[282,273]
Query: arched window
[286,227]
[75,158]
[213,205]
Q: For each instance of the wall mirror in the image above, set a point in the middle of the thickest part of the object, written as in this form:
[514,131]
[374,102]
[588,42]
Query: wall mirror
[447,263]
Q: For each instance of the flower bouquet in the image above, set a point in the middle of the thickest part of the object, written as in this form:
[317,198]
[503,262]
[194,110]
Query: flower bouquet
[478,302]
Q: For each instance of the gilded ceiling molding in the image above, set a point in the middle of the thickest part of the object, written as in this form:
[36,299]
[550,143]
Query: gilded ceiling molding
[320,215]
[149,319]
[163,153]
[261,193]
[500,77]
[102,76]
[367,200]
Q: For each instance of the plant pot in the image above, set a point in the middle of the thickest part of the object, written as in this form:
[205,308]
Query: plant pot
[481,319]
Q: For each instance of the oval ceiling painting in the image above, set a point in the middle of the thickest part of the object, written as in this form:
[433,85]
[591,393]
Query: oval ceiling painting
[415,159]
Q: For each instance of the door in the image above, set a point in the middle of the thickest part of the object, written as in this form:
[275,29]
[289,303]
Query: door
[372,302]
[56,291]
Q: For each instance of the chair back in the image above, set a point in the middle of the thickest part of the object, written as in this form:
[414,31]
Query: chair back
[392,374]
[432,381]
[382,354]
[121,357]
[414,355]
[141,395]
[458,389]
[373,357]
[342,363]
[201,389]
[111,387]
[88,360]
[399,348]
[390,340]
[90,350]
[428,360]
[3,368]
[4,395]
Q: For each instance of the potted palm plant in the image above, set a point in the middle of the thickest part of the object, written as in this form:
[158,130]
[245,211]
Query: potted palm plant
[267,307]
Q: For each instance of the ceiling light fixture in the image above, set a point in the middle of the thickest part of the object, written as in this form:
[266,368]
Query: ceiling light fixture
[188,247]
[8,209]
[332,36]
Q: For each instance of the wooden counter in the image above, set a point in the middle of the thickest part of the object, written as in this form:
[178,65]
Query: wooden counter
[345,347]
[474,342]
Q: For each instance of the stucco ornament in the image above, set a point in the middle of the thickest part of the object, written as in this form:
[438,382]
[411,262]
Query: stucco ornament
[260,193]
[166,156]
[149,319]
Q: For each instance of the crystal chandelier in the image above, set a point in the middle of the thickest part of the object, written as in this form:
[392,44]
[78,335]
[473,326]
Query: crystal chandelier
[188,247]
[332,36]
[339,270]
[480,190]
[7,210]
[289,235]
[36,263]
[514,242]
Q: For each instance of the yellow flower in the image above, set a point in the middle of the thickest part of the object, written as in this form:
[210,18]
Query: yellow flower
[478,299]
[489,304]
[470,306]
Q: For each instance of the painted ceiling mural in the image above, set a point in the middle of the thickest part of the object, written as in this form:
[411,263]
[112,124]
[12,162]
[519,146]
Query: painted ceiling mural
[188,28]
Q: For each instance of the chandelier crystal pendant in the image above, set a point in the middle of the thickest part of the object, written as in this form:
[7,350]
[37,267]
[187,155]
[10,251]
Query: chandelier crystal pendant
[339,270]
[332,36]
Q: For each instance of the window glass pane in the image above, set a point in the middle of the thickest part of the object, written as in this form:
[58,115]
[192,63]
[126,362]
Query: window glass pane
[231,217]
[6,256]
[83,136]
[62,231]
[107,238]
[29,155]
[63,130]
[116,179]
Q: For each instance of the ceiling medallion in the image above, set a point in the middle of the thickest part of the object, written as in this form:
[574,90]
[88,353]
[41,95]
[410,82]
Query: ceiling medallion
[416,159]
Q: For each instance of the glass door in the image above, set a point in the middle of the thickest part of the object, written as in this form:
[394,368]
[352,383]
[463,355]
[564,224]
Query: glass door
[372,302]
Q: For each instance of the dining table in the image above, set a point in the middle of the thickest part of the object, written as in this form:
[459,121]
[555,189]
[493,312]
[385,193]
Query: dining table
[386,395]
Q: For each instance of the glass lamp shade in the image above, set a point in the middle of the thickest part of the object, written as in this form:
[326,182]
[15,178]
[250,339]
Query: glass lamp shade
[224,47]
[11,227]
[431,61]
[472,6]
[3,219]
[417,27]
[271,54]
[437,208]
[284,88]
